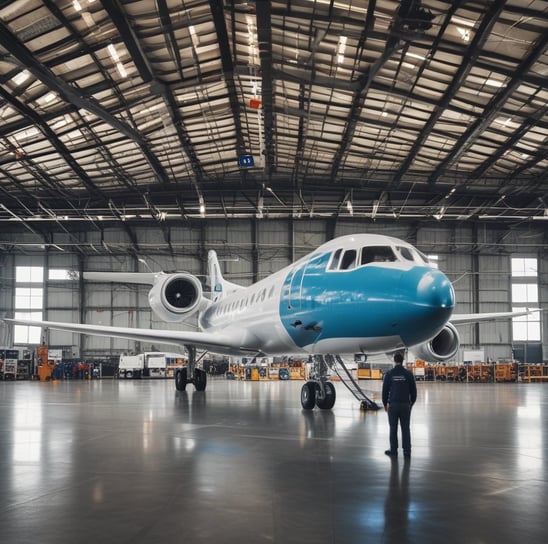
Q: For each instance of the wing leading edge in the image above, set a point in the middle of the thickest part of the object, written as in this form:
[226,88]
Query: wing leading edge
[216,342]
[460,319]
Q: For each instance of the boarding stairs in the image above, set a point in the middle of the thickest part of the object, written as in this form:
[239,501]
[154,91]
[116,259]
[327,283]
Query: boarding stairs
[335,363]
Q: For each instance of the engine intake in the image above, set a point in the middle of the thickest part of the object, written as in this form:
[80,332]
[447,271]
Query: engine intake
[442,347]
[176,297]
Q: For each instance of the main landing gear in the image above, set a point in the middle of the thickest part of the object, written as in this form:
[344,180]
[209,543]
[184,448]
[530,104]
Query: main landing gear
[321,392]
[190,374]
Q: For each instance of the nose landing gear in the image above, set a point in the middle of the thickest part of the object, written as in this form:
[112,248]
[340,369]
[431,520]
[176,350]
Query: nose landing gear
[320,392]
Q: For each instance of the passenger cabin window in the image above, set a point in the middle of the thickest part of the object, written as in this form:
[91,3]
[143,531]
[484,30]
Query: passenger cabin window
[377,254]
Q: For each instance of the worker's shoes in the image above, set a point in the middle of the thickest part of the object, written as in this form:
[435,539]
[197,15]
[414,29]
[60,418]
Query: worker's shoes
[407,454]
[391,453]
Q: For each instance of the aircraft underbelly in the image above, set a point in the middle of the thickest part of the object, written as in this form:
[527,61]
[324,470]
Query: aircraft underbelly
[370,345]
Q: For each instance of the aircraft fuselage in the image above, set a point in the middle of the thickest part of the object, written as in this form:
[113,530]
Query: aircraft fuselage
[362,293]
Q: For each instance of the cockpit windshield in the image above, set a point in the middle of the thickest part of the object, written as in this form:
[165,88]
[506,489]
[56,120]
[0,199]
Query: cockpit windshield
[377,254]
[348,259]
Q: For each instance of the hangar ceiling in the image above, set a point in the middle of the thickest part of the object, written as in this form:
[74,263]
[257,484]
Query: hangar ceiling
[138,110]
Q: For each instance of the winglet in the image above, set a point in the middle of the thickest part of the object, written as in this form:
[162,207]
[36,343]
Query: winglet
[219,286]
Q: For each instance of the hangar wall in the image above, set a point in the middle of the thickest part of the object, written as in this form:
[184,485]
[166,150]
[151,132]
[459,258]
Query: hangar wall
[475,258]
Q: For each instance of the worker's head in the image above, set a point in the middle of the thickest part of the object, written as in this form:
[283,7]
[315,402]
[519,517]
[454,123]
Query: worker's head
[398,358]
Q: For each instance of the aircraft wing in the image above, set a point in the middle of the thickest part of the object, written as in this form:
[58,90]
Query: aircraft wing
[459,319]
[216,342]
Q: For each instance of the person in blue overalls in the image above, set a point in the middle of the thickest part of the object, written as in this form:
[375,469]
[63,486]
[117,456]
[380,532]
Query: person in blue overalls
[399,393]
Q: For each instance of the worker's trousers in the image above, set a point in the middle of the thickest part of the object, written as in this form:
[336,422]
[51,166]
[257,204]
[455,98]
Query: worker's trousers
[400,412]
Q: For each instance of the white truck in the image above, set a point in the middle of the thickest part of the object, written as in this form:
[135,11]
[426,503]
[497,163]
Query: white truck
[150,364]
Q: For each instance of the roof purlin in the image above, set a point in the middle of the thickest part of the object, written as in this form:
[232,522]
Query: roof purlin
[73,96]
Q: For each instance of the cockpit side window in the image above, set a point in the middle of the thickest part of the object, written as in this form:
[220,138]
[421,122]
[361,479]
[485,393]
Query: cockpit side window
[349,259]
[405,252]
[422,258]
[377,254]
[335,260]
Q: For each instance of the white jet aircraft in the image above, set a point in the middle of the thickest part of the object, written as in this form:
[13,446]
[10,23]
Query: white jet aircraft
[356,294]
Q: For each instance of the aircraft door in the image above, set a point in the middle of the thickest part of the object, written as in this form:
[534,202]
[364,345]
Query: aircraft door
[295,288]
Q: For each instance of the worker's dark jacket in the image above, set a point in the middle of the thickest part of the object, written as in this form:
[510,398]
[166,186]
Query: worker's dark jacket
[399,386]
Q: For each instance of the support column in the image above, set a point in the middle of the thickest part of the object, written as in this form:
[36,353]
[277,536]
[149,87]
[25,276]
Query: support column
[255,249]
[81,302]
[475,284]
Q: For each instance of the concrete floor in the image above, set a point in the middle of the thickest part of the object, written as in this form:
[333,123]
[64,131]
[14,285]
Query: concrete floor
[136,462]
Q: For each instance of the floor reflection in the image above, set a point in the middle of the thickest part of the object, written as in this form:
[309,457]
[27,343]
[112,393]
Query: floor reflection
[110,456]
[396,504]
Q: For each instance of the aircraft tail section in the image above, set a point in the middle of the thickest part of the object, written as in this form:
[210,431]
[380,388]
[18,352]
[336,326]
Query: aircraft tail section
[220,287]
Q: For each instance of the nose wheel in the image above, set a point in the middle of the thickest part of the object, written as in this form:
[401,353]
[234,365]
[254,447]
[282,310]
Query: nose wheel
[308,395]
[321,394]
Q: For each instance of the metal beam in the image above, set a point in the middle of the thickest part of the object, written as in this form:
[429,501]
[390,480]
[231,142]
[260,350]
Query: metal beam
[492,109]
[471,55]
[228,70]
[72,95]
[118,16]
[514,139]
[364,84]
[59,146]
[264,35]
[146,71]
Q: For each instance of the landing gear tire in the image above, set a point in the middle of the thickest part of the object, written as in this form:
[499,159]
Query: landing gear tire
[200,380]
[330,396]
[180,379]
[308,395]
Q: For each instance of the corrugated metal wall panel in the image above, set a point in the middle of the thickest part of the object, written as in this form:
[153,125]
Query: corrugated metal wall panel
[62,338]
[233,240]
[62,296]
[308,236]
[105,263]
[98,296]
[65,261]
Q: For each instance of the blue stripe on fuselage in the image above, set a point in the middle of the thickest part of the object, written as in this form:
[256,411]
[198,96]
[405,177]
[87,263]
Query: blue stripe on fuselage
[370,301]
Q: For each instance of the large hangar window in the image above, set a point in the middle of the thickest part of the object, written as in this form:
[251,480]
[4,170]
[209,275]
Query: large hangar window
[29,302]
[525,295]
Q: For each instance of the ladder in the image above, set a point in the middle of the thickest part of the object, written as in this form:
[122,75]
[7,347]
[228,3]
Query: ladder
[350,383]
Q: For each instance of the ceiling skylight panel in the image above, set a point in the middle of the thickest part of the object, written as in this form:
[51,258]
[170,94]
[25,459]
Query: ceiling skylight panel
[535,136]
[20,78]
[27,134]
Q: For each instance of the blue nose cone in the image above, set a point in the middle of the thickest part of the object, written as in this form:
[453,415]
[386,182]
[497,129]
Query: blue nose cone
[427,300]
[434,290]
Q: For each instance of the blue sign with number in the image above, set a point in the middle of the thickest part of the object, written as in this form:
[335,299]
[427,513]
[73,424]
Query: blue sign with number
[246,161]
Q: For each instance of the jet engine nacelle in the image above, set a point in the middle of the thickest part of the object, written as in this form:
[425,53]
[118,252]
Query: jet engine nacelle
[176,297]
[442,347]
